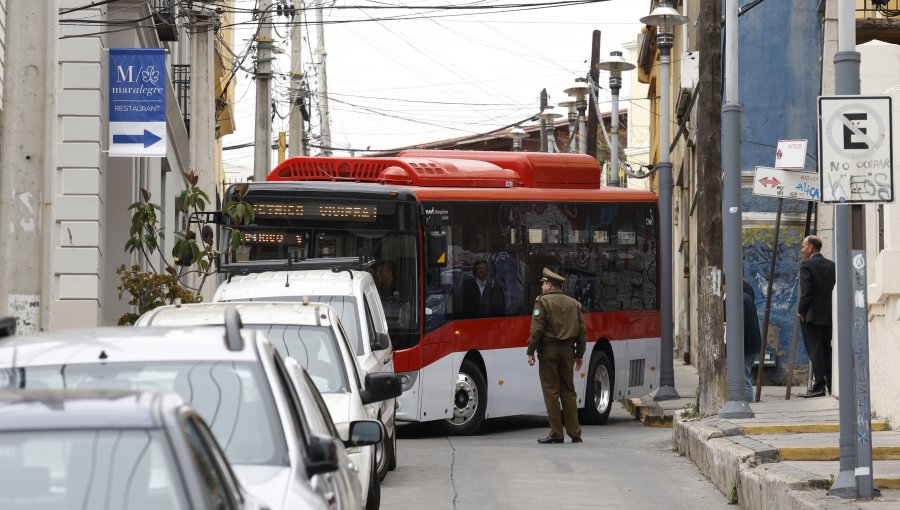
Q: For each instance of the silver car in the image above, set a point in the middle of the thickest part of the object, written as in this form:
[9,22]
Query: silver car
[312,334]
[235,379]
[110,449]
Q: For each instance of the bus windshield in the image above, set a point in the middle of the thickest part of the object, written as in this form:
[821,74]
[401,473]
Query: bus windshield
[382,231]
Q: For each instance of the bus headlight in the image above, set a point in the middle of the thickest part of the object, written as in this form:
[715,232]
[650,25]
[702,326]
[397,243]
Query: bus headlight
[408,379]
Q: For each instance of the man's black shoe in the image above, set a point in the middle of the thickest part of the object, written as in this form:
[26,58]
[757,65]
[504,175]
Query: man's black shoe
[576,439]
[813,394]
[550,440]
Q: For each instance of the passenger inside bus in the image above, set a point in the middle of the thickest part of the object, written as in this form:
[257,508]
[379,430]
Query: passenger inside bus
[384,280]
[482,296]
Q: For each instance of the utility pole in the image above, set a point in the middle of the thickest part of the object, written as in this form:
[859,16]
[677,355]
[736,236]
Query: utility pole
[543,122]
[27,163]
[296,133]
[709,357]
[262,153]
[736,405]
[592,107]
[324,117]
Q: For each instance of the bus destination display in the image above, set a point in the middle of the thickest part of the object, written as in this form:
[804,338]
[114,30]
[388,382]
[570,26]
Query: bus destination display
[316,211]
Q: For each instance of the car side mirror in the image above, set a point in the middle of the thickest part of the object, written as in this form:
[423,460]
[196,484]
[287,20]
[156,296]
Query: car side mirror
[381,386]
[322,455]
[362,433]
[381,341]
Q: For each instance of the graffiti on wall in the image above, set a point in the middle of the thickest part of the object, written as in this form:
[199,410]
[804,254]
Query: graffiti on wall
[757,251]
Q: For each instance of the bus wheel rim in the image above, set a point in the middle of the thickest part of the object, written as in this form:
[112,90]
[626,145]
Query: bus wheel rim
[465,400]
[601,389]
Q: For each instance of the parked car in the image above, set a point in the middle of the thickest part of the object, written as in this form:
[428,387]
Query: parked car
[110,449]
[311,334]
[353,294]
[234,378]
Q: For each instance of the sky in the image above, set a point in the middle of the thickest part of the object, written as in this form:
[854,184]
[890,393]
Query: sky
[445,73]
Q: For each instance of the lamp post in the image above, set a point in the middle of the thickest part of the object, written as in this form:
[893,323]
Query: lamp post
[578,92]
[615,65]
[517,134]
[664,17]
[573,123]
[549,117]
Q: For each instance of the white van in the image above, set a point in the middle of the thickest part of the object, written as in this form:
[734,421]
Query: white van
[353,295]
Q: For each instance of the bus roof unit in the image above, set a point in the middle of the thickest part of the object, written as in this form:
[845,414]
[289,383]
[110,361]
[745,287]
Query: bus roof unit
[433,168]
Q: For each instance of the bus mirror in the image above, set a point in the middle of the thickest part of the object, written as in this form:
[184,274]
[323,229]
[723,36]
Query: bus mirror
[436,252]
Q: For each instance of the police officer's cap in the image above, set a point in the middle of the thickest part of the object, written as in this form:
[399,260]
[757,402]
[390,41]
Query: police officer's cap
[550,276]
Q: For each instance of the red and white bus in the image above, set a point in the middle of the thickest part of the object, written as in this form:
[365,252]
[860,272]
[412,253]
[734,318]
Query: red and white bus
[465,237]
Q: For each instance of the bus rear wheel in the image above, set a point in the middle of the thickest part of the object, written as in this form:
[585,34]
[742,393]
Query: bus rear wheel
[469,402]
[599,399]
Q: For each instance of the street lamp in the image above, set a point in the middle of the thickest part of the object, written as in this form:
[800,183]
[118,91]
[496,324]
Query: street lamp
[549,117]
[517,134]
[578,92]
[573,123]
[615,65]
[664,17]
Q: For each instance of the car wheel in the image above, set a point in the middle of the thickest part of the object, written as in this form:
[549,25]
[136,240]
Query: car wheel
[392,451]
[469,402]
[373,498]
[382,456]
[599,399]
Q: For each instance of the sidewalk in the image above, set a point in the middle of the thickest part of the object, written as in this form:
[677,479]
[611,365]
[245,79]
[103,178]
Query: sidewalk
[785,457]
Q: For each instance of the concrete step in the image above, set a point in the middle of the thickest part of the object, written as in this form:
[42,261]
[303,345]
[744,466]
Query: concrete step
[825,446]
[886,472]
[791,428]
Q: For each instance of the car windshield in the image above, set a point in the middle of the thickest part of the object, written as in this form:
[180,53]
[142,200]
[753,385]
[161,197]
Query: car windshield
[315,348]
[345,306]
[232,398]
[88,469]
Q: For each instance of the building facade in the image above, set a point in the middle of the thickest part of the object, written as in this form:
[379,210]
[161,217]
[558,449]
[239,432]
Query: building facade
[70,211]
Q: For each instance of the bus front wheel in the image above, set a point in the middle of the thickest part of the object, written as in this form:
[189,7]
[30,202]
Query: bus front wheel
[469,401]
[599,389]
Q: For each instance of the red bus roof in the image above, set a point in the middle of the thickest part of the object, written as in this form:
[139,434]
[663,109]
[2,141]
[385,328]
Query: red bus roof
[466,169]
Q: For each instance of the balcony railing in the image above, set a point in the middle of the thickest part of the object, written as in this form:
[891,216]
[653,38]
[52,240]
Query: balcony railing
[181,81]
[164,17]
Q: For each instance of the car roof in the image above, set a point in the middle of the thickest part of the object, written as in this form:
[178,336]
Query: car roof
[310,282]
[255,312]
[124,344]
[83,409]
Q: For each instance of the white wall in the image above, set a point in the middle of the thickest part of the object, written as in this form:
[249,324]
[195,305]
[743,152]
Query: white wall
[883,291]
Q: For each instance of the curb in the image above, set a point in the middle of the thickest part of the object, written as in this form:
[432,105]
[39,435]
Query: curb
[739,465]
[648,413]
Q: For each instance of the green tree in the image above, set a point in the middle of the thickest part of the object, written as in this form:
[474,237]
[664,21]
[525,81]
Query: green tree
[193,259]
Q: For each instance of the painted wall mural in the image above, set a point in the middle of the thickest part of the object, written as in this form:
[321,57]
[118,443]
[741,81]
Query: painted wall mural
[757,250]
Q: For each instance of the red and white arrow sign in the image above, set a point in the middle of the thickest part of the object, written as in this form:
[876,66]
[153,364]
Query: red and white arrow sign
[769,181]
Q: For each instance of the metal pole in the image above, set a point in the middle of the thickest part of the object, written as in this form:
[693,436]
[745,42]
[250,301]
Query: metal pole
[765,331]
[296,133]
[614,86]
[324,116]
[262,150]
[736,405]
[846,82]
[666,390]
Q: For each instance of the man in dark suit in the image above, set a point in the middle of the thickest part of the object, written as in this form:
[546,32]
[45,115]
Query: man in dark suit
[814,310]
[482,297]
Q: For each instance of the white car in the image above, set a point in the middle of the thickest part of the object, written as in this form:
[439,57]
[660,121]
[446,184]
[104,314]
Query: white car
[353,294]
[311,334]
[236,381]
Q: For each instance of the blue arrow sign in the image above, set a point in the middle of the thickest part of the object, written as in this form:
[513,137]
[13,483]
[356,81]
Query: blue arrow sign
[147,138]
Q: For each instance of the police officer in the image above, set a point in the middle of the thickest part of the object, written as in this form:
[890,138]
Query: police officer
[558,335]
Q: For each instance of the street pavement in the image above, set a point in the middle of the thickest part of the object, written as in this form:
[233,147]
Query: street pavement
[620,465]
[786,456]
